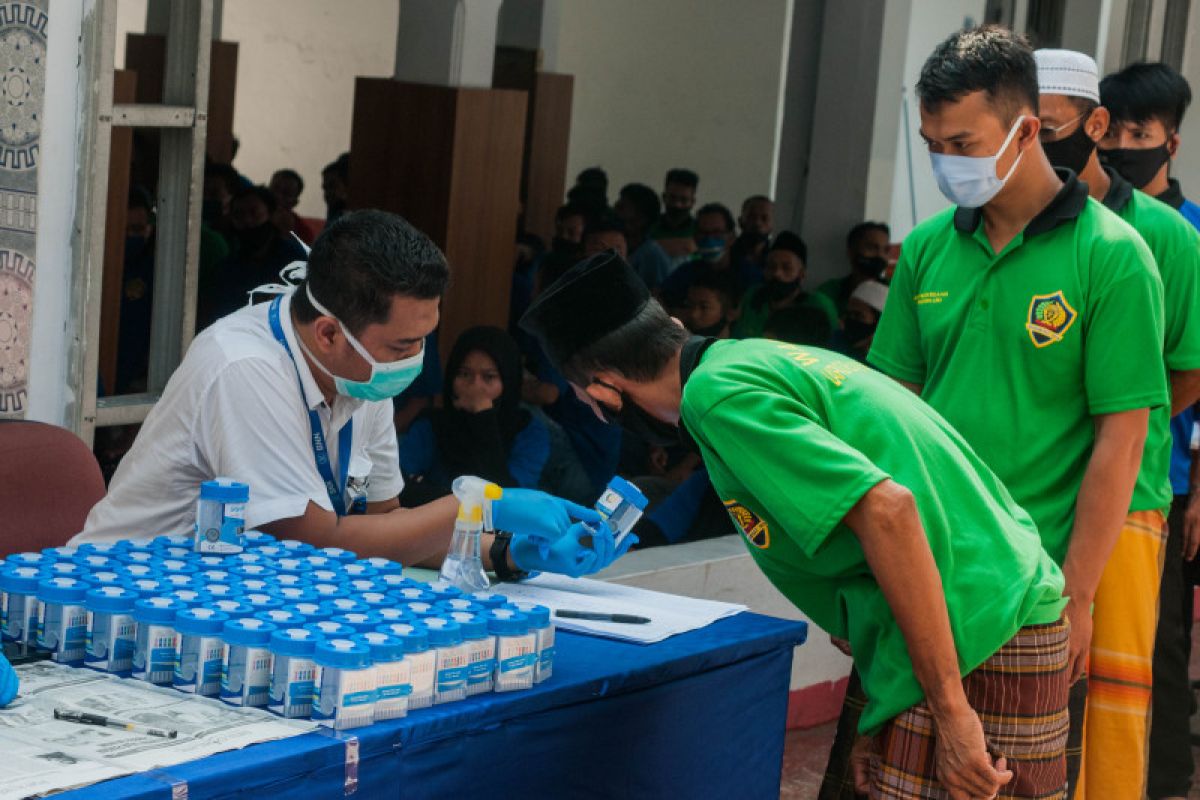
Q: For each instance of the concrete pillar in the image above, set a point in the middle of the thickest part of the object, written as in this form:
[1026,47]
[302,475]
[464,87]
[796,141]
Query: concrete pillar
[447,42]
[531,25]
[799,103]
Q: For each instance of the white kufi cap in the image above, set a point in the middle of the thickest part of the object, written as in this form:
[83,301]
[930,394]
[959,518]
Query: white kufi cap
[873,293]
[1068,73]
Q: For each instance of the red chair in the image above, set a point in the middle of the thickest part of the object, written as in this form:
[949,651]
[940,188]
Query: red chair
[49,481]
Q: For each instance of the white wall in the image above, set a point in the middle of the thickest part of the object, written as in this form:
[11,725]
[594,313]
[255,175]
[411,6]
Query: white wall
[674,83]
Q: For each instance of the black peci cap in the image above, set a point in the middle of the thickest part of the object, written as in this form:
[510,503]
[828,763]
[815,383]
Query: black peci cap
[592,298]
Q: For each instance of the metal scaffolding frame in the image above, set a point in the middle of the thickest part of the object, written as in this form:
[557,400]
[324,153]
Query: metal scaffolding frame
[182,118]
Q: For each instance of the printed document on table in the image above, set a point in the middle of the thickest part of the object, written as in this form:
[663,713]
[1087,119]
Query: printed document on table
[205,727]
[669,614]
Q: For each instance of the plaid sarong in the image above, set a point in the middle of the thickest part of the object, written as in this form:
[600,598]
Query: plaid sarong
[1020,694]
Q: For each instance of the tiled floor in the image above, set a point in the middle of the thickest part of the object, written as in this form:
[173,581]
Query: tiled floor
[806,752]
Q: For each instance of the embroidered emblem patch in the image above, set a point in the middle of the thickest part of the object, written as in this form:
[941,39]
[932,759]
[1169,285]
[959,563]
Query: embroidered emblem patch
[754,529]
[1050,316]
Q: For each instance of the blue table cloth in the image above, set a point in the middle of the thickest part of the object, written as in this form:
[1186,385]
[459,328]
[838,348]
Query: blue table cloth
[699,715]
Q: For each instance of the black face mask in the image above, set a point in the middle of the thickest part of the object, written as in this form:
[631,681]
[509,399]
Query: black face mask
[634,420]
[1071,152]
[775,291]
[1137,166]
[870,267]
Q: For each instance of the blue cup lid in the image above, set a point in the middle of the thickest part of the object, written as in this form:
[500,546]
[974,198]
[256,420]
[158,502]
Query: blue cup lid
[110,599]
[233,608]
[270,551]
[225,490]
[360,621]
[296,546]
[382,566]
[415,637]
[291,579]
[105,578]
[342,653]
[62,589]
[360,585]
[359,570]
[421,609]
[261,601]
[157,609]
[104,548]
[260,571]
[20,579]
[328,628]
[132,556]
[176,540]
[256,585]
[293,641]
[345,605]
[249,631]
[311,611]
[65,553]
[92,561]
[506,622]
[179,580]
[257,539]
[181,553]
[227,590]
[443,632]
[487,599]
[324,575]
[336,553]
[176,565]
[383,647]
[324,562]
[296,594]
[63,569]
[395,581]
[328,591]
[292,565]
[27,559]
[280,617]
[190,597]
[539,616]
[246,557]
[460,604]
[201,621]
[445,591]
[411,594]
[629,493]
[377,599]
[209,562]
[145,587]
[139,570]
[473,626]
[394,614]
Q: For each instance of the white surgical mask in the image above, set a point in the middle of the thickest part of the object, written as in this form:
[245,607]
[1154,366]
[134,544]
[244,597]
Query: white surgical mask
[970,181]
[387,379]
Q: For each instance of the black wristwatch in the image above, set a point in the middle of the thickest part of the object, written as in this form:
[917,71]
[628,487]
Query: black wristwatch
[499,555]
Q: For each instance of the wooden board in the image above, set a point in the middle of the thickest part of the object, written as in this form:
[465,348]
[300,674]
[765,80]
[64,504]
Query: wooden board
[120,157]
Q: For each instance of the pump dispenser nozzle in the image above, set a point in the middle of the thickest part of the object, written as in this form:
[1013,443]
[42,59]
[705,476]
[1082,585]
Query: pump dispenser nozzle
[463,567]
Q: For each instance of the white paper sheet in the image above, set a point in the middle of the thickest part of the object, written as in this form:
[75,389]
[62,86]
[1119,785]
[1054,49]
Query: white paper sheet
[669,614]
[81,754]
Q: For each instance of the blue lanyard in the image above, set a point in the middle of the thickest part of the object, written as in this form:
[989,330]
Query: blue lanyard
[320,450]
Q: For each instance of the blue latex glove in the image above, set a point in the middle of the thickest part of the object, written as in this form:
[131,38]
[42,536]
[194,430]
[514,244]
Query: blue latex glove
[8,682]
[536,515]
[571,554]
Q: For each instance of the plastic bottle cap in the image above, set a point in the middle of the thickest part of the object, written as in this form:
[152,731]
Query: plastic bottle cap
[342,653]
[293,642]
[212,562]
[361,585]
[253,571]
[180,580]
[359,620]
[256,585]
[460,604]
[191,597]
[222,590]
[157,609]
[248,631]
[506,622]
[444,591]
[27,559]
[295,594]
[328,590]
[345,605]
[138,557]
[488,600]
[104,578]
[181,553]
[359,570]
[375,599]
[176,540]
[539,616]
[146,587]
[279,616]
[383,566]
[329,628]
[337,553]
[443,632]
[261,600]
[422,609]
[296,545]
[414,595]
[323,562]
[257,538]
[63,569]
[60,553]
[110,599]
[415,638]
[233,608]
[395,581]
[395,614]
[201,621]
[311,610]
[21,580]
[473,626]
[62,590]
[382,647]
[140,571]
[94,561]
[225,490]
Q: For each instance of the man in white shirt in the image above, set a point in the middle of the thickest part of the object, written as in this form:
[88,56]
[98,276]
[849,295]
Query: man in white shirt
[293,397]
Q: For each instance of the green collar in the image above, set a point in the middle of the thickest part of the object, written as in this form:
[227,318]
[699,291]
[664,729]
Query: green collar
[1066,206]
[1119,191]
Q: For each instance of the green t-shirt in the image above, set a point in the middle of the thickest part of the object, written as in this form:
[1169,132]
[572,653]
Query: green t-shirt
[752,320]
[793,436]
[838,290]
[1019,350]
[1175,245]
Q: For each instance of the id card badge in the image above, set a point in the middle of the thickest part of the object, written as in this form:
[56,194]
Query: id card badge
[358,480]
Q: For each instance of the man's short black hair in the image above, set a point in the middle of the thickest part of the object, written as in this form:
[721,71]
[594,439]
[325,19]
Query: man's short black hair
[860,231]
[259,191]
[361,261]
[718,208]
[755,198]
[800,325]
[592,200]
[643,199]
[640,349]
[340,167]
[291,175]
[568,210]
[722,282]
[683,177]
[605,223]
[223,172]
[595,177]
[1146,91]
[988,59]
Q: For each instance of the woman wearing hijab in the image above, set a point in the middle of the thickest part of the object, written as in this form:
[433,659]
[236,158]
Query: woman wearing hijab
[482,429]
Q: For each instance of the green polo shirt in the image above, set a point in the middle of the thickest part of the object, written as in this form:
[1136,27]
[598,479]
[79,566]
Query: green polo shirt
[1019,349]
[794,436]
[755,313]
[1175,245]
